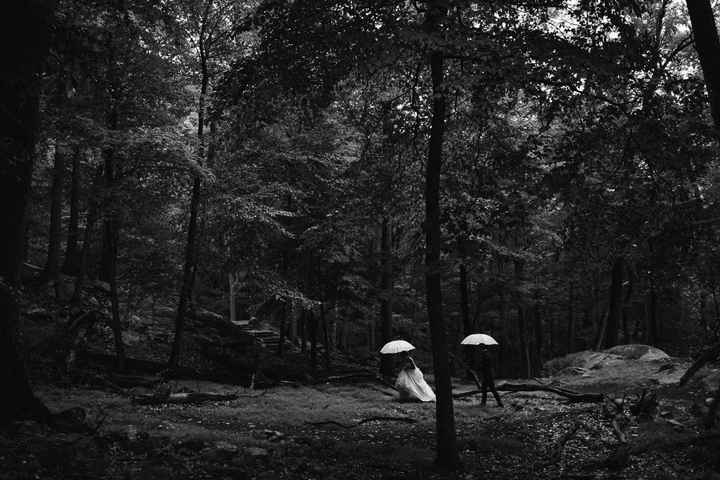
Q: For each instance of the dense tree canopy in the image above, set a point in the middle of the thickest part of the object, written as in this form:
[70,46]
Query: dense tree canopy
[354,171]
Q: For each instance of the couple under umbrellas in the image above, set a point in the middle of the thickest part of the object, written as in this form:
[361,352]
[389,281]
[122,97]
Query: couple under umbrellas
[412,385]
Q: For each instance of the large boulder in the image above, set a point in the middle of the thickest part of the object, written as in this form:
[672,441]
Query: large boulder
[582,362]
[636,351]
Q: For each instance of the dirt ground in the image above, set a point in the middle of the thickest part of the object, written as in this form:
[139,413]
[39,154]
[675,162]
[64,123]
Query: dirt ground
[360,431]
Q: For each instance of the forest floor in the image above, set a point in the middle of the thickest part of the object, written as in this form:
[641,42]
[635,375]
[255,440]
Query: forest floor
[359,431]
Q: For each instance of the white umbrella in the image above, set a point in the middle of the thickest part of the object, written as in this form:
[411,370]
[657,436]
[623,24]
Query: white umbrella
[479,339]
[397,346]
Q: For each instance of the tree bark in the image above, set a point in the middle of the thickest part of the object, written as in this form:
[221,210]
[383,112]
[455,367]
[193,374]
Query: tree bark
[326,336]
[707,45]
[92,217]
[111,229]
[283,322]
[539,338]
[571,322]
[652,323]
[52,267]
[190,267]
[302,330]
[72,255]
[447,454]
[464,302]
[465,308]
[313,328]
[525,358]
[386,286]
[523,325]
[24,41]
[615,306]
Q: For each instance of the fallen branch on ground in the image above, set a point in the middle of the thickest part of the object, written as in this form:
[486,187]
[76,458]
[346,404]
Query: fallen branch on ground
[362,375]
[706,357]
[555,453]
[183,398]
[620,458]
[251,395]
[367,376]
[389,394]
[363,421]
[569,394]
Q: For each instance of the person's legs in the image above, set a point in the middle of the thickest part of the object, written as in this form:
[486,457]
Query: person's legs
[495,393]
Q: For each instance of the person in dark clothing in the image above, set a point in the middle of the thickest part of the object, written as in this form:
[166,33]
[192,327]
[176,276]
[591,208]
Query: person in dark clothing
[488,380]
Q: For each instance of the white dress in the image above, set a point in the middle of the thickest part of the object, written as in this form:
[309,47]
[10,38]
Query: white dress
[412,385]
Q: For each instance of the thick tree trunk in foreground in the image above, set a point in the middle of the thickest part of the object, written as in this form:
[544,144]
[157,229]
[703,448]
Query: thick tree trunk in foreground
[447,454]
[22,54]
[386,364]
[52,267]
[707,45]
[72,255]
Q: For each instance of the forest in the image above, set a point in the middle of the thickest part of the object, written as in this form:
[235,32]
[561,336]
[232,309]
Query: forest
[216,213]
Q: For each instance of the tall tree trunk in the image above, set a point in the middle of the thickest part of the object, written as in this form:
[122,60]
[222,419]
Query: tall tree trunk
[627,309]
[92,217]
[72,255]
[386,285]
[502,367]
[313,328]
[539,338]
[570,345]
[111,237]
[465,315]
[188,279]
[24,38]
[464,302]
[302,330]
[326,336]
[52,267]
[231,299]
[707,45]
[447,454]
[652,323]
[522,338]
[522,313]
[615,307]
[283,326]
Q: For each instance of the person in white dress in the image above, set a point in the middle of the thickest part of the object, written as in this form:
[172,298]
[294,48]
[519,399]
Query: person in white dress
[410,382]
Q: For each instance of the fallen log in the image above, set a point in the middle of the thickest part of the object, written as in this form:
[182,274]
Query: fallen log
[182,398]
[706,357]
[361,376]
[620,457]
[363,421]
[350,376]
[572,396]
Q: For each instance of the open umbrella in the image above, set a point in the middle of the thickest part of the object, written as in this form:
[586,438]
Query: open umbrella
[479,339]
[397,346]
